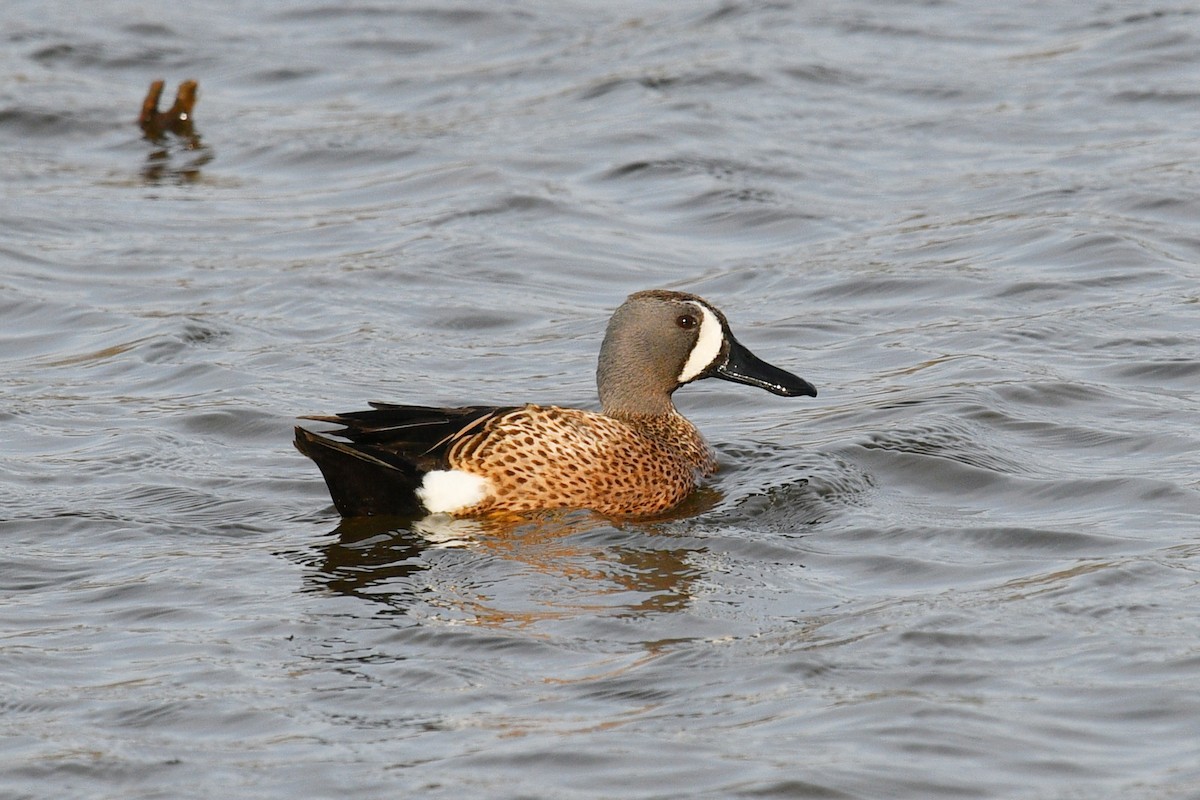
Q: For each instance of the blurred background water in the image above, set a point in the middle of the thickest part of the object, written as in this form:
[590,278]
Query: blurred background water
[969,568]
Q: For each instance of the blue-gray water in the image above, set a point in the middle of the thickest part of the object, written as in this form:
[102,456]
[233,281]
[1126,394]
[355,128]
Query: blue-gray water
[969,568]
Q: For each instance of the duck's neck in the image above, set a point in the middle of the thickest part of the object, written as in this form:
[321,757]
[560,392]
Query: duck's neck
[623,406]
[629,387]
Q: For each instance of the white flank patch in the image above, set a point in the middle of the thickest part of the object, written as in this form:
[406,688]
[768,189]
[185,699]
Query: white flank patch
[445,491]
[707,347]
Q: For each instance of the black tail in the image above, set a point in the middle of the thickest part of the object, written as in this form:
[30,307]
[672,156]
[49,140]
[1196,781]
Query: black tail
[363,481]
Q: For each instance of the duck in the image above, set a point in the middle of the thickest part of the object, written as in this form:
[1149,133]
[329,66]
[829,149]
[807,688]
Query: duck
[177,119]
[636,457]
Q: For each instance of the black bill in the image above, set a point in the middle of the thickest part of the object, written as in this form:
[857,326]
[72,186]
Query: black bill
[742,366]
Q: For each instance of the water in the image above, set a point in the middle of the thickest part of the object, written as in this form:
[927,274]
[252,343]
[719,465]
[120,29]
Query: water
[967,569]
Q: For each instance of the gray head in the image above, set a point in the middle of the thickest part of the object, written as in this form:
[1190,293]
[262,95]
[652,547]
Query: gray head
[658,340]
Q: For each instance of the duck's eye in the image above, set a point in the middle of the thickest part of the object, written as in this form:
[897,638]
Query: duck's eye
[686,321]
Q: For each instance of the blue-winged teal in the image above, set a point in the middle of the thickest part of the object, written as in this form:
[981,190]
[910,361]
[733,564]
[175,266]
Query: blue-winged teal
[639,456]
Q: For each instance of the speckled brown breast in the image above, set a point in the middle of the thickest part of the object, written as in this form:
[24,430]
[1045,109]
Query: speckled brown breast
[548,457]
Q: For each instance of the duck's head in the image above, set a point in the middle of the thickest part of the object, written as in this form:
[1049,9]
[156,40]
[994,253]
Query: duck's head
[659,340]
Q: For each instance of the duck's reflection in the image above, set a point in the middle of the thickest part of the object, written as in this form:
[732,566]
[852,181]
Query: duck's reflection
[504,571]
[176,164]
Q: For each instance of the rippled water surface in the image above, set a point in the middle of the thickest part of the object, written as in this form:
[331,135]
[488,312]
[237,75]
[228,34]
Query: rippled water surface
[969,568]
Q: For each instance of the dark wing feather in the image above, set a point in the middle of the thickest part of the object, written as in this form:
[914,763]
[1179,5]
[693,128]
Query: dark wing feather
[389,449]
[421,434]
[363,483]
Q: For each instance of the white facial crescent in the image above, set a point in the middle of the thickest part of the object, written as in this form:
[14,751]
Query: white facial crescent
[707,347]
